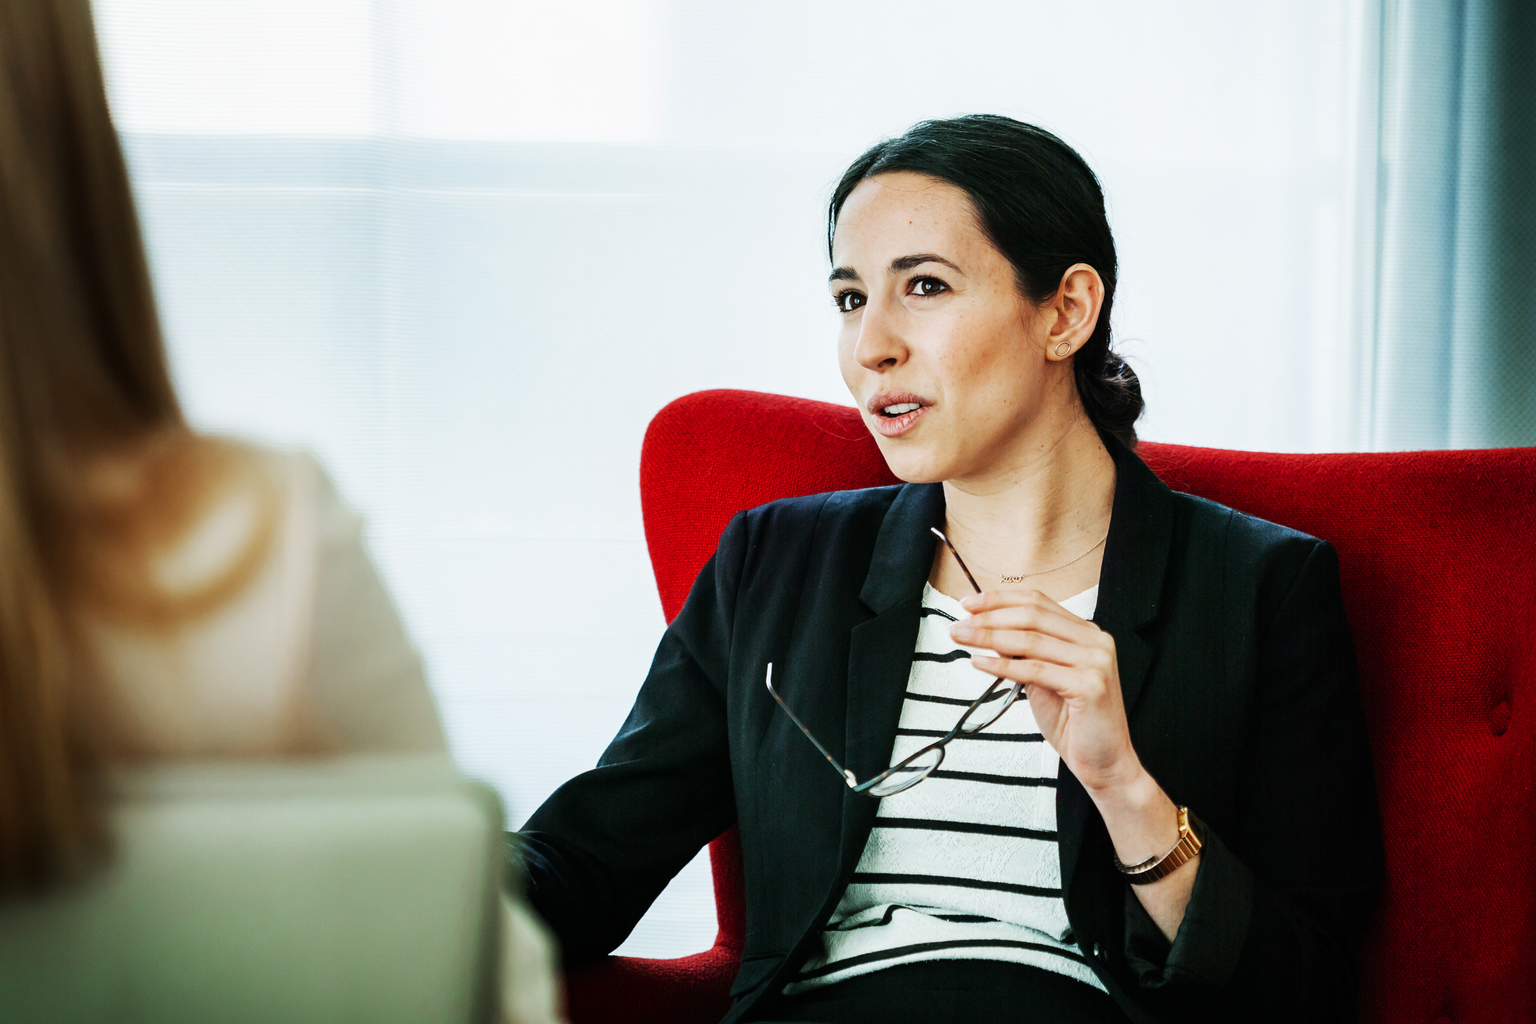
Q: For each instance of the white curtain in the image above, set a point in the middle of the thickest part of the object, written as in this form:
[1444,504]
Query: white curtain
[1448,343]
[466,248]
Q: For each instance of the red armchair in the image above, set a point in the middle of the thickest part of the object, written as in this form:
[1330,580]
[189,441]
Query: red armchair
[1438,552]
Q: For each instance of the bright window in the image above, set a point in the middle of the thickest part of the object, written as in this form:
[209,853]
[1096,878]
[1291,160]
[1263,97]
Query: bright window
[465,249]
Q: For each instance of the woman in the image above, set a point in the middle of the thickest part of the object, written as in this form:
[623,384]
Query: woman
[1179,822]
[162,594]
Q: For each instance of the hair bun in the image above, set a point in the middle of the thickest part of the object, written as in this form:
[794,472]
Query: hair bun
[1111,393]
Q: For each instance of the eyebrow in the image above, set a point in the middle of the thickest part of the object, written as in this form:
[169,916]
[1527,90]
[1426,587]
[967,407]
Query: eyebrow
[899,265]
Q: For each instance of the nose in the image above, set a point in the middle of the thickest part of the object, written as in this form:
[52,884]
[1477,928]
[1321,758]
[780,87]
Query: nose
[879,346]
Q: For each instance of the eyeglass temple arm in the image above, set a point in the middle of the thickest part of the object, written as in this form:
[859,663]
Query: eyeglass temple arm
[848,776]
[939,534]
[961,562]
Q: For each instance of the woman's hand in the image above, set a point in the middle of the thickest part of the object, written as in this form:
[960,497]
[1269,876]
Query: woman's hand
[1073,680]
[1072,677]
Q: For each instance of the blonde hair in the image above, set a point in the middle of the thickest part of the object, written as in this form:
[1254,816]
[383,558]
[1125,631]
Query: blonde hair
[99,472]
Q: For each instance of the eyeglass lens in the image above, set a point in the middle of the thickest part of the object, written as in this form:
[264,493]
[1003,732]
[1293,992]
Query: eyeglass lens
[909,775]
[992,707]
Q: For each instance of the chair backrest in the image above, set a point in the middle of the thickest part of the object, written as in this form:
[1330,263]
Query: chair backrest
[1438,554]
[356,889]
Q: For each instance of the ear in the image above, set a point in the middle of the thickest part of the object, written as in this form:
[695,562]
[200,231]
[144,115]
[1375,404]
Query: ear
[1073,312]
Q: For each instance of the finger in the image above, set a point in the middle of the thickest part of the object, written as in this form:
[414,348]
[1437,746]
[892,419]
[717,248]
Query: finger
[1004,598]
[995,600]
[990,600]
[1071,684]
[1052,621]
[1017,643]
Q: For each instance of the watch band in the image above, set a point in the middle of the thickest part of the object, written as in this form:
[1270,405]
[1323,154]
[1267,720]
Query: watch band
[1184,851]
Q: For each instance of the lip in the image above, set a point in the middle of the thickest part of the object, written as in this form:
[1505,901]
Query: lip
[895,426]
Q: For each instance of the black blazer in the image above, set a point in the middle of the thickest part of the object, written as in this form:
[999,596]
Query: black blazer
[1239,682]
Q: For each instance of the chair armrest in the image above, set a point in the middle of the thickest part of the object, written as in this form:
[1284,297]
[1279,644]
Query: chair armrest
[635,990]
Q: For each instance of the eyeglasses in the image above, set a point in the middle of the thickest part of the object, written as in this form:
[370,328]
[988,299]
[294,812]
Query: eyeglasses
[916,767]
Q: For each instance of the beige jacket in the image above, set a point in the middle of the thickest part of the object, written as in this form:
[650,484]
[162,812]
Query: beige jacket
[310,657]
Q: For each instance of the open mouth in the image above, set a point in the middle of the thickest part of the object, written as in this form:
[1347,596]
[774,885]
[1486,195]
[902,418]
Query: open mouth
[895,412]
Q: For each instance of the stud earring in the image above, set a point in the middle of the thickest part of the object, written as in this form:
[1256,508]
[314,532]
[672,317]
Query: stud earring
[1063,349]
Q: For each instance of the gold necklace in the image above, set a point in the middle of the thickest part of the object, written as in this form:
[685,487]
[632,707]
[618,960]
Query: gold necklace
[1063,565]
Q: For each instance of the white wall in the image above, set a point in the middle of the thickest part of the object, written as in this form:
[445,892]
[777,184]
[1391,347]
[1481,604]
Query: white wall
[466,248]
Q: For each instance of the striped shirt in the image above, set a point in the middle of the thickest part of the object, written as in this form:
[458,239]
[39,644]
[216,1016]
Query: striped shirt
[964,865]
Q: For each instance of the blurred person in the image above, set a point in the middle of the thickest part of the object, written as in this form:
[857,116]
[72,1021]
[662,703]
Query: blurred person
[1177,822]
[163,593]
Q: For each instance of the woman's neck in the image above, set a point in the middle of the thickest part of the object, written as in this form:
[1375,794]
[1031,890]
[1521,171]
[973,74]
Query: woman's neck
[1032,516]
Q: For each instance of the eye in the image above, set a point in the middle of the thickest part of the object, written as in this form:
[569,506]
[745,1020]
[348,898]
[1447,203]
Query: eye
[848,300]
[927,287]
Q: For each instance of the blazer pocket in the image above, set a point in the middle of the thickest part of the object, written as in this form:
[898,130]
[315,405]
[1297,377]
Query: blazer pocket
[755,969]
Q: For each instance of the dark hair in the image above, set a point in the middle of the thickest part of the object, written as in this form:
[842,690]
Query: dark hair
[84,386]
[1041,205]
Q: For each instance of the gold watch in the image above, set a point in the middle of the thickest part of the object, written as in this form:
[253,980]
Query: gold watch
[1184,851]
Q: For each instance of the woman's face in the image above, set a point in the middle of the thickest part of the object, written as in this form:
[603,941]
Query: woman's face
[945,358]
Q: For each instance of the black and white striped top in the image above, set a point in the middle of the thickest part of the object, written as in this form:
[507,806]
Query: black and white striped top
[964,865]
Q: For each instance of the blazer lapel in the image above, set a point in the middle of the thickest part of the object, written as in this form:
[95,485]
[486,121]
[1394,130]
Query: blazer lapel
[880,656]
[1130,586]
[1135,558]
[879,661]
